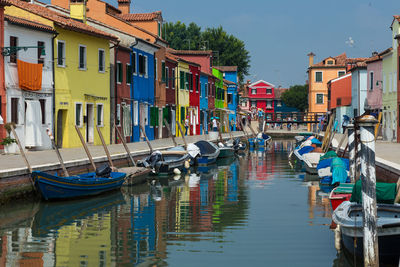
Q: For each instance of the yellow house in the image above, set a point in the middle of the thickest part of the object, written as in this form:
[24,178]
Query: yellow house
[81,75]
[182,93]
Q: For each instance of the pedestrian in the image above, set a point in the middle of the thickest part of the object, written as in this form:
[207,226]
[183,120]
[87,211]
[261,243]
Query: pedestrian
[215,125]
[186,125]
[345,123]
[232,125]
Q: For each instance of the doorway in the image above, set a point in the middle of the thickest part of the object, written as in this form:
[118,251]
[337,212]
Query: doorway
[89,123]
[61,115]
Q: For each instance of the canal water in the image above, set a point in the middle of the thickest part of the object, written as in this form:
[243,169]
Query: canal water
[257,209]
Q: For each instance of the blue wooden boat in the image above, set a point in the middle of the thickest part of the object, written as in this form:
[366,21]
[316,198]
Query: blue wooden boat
[57,187]
[208,152]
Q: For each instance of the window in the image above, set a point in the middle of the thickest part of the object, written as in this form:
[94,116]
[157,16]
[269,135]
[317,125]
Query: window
[102,59]
[40,58]
[14,110]
[329,62]
[119,72]
[145,66]
[230,98]
[13,43]
[82,57]
[278,103]
[166,78]
[60,53]
[78,114]
[318,76]
[118,115]
[43,109]
[320,98]
[371,80]
[142,65]
[182,80]
[253,104]
[100,115]
[135,113]
[253,91]
[128,73]
[173,78]
[187,79]
[341,73]
[269,91]
[134,63]
[269,104]
[164,74]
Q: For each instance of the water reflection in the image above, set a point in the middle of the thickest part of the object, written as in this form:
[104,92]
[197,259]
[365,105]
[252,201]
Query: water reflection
[248,209]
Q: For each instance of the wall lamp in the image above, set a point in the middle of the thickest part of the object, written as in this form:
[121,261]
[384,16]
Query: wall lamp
[11,50]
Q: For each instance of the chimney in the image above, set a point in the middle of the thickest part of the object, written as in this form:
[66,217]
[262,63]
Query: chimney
[374,54]
[311,59]
[77,9]
[124,6]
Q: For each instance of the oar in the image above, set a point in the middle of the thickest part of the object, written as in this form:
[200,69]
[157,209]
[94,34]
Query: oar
[183,136]
[147,139]
[105,147]
[66,174]
[123,140]
[23,154]
[170,132]
[85,147]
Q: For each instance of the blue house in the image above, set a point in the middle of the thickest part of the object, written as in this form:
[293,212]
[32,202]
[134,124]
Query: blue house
[204,87]
[231,79]
[280,107]
[142,88]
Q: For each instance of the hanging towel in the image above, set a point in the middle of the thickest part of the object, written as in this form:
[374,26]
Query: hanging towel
[29,75]
[127,121]
[33,124]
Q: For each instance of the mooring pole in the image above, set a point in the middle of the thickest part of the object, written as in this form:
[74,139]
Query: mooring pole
[368,177]
[352,152]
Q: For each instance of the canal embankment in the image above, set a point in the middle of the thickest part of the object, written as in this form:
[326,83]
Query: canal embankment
[15,177]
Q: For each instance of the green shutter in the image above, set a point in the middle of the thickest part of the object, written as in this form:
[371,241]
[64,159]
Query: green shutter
[163,71]
[182,79]
[120,72]
[182,114]
[152,116]
[166,115]
[157,116]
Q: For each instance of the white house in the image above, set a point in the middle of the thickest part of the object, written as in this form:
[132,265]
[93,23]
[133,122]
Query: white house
[29,80]
[359,88]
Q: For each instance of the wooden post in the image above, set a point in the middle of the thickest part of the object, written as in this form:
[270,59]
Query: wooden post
[147,139]
[66,174]
[183,136]
[105,147]
[122,137]
[21,149]
[85,147]
[352,152]
[370,239]
[170,132]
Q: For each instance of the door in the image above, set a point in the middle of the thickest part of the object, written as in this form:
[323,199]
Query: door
[89,123]
[60,127]
[160,122]
[142,117]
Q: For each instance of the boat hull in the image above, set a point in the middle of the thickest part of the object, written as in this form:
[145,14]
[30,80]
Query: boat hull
[55,187]
[225,152]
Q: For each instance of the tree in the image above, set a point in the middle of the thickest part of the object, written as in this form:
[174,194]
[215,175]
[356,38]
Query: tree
[228,50]
[297,97]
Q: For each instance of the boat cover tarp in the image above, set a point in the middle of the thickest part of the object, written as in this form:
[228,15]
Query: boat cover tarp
[385,192]
[316,142]
[328,155]
[339,171]
[328,162]
[306,149]
[205,147]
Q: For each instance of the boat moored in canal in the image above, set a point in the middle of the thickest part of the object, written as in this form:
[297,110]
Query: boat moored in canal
[208,152]
[164,162]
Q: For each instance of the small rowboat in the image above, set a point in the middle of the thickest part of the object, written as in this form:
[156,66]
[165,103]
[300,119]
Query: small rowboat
[57,187]
[208,152]
[340,194]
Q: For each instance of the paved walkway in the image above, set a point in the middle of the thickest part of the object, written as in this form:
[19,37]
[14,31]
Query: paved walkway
[12,165]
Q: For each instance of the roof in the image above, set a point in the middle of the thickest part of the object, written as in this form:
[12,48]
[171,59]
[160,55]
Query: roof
[61,20]
[189,52]
[358,65]
[340,61]
[229,82]
[171,57]
[279,91]
[142,16]
[226,68]
[124,1]
[29,24]
[178,58]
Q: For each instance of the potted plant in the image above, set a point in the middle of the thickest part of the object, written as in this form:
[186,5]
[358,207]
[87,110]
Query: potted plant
[9,143]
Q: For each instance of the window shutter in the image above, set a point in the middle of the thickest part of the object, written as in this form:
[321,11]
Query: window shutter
[157,116]
[163,71]
[182,79]
[182,114]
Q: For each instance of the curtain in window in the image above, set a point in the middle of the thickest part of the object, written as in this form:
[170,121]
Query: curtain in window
[127,121]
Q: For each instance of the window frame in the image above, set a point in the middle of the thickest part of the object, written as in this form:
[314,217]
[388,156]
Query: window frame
[64,51]
[40,60]
[173,78]
[118,115]
[14,56]
[322,77]
[80,125]
[166,71]
[133,63]
[338,73]
[253,91]
[269,89]
[120,73]
[135,111]
[156,69]
[101,50]
[316,98]
[102,114]
[17,107]
[128,74]
[84,58]
[42,102]
[371,80]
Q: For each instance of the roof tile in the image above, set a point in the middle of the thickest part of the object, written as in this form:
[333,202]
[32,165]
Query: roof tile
[29,23]
[142,16]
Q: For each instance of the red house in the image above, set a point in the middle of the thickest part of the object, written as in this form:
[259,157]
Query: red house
[171,64]
[261,96]
[194,99]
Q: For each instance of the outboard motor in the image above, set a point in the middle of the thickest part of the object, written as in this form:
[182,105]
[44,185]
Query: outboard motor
[103,171]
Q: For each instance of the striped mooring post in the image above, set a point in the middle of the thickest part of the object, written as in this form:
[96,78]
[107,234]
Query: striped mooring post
[368,177]
[352,152]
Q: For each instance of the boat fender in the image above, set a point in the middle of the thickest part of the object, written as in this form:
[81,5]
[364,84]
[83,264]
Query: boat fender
[177,171]
[177,177]
[187,164]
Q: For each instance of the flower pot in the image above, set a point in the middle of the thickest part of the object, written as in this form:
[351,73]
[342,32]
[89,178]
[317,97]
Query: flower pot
[11,148]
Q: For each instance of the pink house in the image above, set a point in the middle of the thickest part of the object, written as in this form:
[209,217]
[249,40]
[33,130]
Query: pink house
[261,96]
[374,82]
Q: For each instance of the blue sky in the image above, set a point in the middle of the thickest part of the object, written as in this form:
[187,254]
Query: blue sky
[280,33]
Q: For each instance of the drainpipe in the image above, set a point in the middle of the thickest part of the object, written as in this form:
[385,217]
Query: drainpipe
[53,97]
[132,98]
[112,115]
